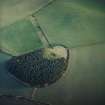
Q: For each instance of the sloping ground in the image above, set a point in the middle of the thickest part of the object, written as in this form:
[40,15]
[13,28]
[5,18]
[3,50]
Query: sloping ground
[16,39]
[13,10]
[83,83]
[20,37]
[80,26]
[13,100]
[72,24]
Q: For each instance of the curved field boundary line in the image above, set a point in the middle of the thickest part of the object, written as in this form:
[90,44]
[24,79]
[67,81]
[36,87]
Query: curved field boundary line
[44,6]
[41,34]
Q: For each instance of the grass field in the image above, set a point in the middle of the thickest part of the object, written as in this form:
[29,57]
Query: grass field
[19,38]
[78,24]
[73,24]
[84,81]
[13,10]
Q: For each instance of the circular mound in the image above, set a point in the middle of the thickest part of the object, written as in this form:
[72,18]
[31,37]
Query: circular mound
[15,100]
[38,70]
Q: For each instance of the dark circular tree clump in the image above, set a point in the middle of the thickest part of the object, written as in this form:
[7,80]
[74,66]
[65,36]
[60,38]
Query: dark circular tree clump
[32,68]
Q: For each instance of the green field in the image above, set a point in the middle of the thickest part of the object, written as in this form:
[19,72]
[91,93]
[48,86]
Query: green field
[84,81]
[14,10]
[73,24]
[19,38]
[78,24]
